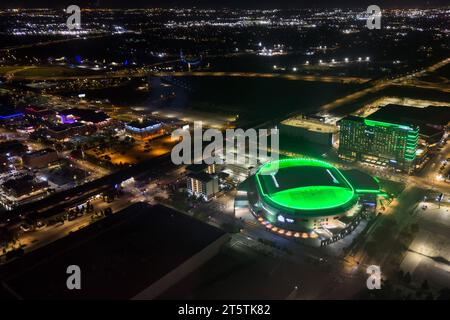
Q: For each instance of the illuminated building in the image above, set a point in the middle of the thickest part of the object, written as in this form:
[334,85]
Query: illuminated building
[10,114]
[145,129]
[378,142]
[432,120]
[85,116]
[307,194]
[38,112]
[202,184]
[69,130]
[18,191]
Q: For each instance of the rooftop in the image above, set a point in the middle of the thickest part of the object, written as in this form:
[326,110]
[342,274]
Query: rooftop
[12,146]
[201,176]
[431,115]
[309,124]
[41,152]
[86,115]
[145,124]
[395,124]
[361,181]
[135,247]
[201,167]
[66,126]
[304,184]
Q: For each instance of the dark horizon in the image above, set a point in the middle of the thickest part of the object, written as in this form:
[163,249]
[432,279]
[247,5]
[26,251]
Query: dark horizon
[250,4]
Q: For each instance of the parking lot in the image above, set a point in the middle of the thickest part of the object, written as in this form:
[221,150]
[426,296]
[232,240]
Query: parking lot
[428,257]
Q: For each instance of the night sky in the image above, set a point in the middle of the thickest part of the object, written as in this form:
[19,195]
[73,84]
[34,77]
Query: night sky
[223,3]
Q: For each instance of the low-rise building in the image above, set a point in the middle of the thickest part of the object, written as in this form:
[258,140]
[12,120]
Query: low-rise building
[67,131]
[85,116]
[40,159]
[309,129]
[27,184]
[145,129]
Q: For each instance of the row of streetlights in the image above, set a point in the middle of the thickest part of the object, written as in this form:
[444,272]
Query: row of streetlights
[333,61]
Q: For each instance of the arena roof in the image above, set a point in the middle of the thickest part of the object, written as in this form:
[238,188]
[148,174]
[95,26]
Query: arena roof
[304,184]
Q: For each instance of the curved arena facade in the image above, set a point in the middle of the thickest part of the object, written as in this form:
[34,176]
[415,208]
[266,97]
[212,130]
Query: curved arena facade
[303,194]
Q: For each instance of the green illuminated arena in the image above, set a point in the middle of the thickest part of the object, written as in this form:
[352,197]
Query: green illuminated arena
[301,194]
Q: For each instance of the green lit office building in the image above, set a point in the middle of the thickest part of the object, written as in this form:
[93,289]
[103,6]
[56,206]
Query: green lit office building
[378,143]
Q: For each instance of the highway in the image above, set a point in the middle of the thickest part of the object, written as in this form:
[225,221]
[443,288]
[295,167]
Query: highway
[139,73]
[290,76]
[378,85]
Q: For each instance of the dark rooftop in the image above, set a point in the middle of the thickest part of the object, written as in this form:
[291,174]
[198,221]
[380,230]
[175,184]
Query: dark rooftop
[41,152]
[63,127]
[196,168]
[12,146]
[23,185]
[88,115]
[201,176]
[119,256]
[431,115]
[143,124]
[361,180]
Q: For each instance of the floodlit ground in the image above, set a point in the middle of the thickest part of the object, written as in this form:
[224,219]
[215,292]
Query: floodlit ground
[428,257]
[374,106]
[139,151]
